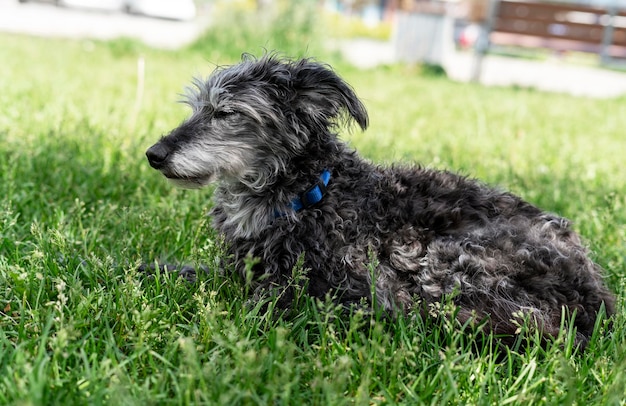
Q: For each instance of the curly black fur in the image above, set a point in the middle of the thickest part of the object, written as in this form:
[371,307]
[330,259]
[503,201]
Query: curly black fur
[264,130]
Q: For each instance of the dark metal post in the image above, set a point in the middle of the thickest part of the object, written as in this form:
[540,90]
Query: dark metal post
[482,43]
[607,37]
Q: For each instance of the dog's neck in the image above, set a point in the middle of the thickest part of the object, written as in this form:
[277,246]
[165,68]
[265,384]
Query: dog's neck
[246,215]
[241,212]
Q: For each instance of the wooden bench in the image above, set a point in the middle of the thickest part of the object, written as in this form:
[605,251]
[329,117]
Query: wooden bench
[560,27]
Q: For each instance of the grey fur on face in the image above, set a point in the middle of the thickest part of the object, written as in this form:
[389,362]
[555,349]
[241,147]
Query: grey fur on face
[263,130]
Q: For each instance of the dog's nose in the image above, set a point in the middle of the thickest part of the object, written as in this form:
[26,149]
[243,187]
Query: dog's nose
[157,155]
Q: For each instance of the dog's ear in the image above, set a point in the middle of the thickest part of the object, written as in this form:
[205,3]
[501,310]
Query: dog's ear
[324,96]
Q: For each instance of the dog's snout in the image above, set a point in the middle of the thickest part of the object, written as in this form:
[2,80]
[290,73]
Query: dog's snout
[157,155]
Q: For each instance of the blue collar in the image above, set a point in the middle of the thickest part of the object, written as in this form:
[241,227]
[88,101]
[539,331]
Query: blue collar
[311,196]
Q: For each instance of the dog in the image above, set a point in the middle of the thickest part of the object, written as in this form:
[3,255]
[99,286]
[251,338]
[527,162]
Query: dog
[399,237]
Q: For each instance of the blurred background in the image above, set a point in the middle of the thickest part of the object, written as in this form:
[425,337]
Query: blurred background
[573,46]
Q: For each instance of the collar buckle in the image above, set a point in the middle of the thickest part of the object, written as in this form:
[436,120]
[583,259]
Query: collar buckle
[313,195]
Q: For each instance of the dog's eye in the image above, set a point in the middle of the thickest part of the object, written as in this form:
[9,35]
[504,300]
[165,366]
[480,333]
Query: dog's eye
[219,114]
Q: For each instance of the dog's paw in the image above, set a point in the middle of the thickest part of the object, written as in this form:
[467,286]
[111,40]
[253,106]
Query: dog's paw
[187,272]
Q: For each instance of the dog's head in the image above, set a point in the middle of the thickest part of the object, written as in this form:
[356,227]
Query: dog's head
[251,118]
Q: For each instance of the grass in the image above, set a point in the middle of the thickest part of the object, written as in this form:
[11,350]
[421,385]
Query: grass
[80,209]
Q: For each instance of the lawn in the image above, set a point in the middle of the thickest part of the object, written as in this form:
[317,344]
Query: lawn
[80,209]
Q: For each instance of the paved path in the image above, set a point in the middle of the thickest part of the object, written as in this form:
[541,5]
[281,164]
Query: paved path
[45,19]
[550,75]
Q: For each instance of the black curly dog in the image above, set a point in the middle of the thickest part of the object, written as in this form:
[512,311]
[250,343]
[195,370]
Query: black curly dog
[288,188]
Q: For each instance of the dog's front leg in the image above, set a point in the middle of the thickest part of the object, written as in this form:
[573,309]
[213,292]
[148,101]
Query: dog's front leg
[185,271]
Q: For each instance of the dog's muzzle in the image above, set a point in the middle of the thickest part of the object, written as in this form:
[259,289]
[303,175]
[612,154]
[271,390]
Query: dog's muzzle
[157,155]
